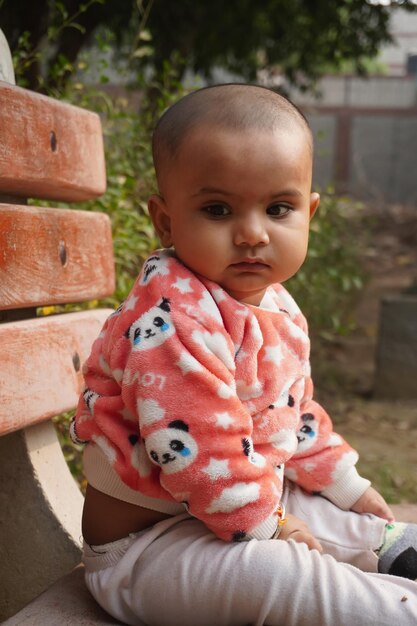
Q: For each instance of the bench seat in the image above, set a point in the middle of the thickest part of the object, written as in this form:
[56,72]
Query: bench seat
[67,603]
[49,257]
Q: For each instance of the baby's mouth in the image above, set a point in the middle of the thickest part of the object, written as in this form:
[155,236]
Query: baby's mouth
[250,265]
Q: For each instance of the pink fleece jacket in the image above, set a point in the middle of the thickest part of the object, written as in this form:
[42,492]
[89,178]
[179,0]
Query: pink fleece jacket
[194,399]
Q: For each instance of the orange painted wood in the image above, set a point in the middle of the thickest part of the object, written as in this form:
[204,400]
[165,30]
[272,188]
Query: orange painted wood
[40,365]
[49,149]
[52,256]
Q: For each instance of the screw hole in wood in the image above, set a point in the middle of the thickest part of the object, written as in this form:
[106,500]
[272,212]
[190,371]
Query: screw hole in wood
[53,141]
[76,361]
[62,251]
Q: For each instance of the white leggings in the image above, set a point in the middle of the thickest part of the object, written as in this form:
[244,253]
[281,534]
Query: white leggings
[177,573]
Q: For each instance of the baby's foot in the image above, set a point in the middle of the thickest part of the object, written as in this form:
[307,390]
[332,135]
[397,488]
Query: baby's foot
[398,553]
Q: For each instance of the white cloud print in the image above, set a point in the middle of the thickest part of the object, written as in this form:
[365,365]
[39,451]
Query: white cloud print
[235,497]
[149,411]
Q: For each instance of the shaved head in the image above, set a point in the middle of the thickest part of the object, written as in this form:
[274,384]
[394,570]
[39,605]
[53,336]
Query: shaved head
[232,107]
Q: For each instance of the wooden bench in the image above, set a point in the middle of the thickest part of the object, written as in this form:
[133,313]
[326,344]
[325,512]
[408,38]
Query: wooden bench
[48,150]
[48,256]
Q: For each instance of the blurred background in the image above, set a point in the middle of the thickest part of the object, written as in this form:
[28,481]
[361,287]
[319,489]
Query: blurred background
[351,66]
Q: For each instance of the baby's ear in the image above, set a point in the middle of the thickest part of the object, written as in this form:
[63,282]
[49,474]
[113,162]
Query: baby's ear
[314,203]
[160,219]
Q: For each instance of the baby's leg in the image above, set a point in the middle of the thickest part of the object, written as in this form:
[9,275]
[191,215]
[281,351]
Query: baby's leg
[398,553]
[365,541]
[347,536]
[180,574]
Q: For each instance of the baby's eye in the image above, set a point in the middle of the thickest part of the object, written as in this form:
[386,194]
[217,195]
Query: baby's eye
[216,210]
[158,321]
[278,210]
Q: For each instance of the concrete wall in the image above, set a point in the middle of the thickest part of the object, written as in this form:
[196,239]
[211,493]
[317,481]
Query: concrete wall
[368,153]
[324,128]
[383,158]
[352,91]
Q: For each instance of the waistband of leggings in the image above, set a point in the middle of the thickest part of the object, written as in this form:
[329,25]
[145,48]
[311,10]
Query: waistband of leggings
[96,557]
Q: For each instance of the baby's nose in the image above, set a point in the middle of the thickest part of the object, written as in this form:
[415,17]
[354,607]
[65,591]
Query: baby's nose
[251,231]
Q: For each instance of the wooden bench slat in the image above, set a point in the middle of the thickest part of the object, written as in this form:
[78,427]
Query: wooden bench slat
[40,365]
[66,162]
[52,256]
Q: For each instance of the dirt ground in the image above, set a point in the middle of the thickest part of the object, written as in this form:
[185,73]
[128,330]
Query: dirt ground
[384,432]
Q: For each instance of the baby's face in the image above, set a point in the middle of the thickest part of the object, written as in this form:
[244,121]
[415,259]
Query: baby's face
[236,207]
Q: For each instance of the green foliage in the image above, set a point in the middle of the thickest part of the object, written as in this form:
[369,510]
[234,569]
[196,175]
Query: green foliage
[300,39]
[130,174]
[24,56]
[130,180]
[35,38]
[332,275]
[71,451]
[60,17]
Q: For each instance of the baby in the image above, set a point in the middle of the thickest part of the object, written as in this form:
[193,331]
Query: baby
[203,439]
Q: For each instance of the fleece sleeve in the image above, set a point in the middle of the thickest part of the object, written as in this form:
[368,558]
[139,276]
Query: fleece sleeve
[179,380]
[323,461]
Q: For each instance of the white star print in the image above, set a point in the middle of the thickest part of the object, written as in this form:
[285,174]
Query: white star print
[118,375]
[218,295]
[274,354]
[208,305]
[224,420]
[188,363]
[241,354]
[256,331]
[295,331]
[183,285]
[130,303]
[217,468]
[246,392]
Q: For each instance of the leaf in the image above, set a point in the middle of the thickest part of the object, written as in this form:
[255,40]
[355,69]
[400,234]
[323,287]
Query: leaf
[143,51]
[76,26]
[145,35]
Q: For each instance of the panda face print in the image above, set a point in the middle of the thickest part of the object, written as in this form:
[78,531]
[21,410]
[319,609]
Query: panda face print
[253,457]
[138,457]
[172,448]
[308,432]
[118,310]
[90,398]
[154,265]
[73,433]
[152,328]
[150,268]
